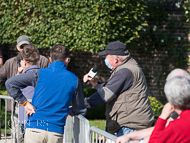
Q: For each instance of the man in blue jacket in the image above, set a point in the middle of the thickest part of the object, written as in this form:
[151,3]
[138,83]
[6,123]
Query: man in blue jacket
[55,88]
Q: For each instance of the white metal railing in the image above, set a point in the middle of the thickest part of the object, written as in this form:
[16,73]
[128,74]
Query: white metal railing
[10,139]
[97,135]
[77,129]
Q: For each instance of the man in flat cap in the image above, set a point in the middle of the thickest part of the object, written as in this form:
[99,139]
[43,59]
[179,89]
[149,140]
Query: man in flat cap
[8,70]
[125,95]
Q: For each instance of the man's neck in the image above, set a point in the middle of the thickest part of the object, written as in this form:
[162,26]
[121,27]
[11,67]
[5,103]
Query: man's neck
[28,65]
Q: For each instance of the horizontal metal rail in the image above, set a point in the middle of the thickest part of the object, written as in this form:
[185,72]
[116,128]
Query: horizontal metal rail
[98,135]
[8,97]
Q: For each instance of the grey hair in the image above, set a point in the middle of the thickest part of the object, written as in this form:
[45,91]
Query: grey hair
[177,92]
[178,72]
[121,58]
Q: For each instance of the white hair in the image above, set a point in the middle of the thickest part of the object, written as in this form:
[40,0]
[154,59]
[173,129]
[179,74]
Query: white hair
[177,91]
[121,58]
[177,72]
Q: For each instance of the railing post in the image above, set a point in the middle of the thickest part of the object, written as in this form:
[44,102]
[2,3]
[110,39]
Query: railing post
[5,120]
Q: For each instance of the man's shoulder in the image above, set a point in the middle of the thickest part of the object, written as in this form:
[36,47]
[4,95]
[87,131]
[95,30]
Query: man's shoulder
[11,61]
[43,62]
[123,72]
[43,57]
[71,73]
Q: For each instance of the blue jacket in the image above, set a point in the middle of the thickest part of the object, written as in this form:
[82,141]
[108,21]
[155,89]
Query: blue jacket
[54,91]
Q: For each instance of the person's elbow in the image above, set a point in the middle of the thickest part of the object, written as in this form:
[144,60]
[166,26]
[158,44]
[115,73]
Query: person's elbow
[81,111]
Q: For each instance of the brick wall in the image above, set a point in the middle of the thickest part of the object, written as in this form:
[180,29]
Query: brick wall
[82,62]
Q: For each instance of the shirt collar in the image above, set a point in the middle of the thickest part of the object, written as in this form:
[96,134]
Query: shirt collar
[123,62]
[31,68]
[58,64]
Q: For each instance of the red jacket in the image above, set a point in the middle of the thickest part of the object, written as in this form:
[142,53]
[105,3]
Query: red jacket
[178,130]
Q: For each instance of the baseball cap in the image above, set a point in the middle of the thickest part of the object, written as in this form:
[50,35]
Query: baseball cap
[23,40]
[114,48]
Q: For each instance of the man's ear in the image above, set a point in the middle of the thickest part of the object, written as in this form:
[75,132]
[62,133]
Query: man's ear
[66,61]
[25,62]
[18,48]
[116,60]
[50,60]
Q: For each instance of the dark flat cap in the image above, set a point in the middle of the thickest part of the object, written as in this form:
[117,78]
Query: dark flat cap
[114,48]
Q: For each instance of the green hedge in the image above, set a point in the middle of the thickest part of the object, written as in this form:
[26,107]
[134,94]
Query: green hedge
[86,25]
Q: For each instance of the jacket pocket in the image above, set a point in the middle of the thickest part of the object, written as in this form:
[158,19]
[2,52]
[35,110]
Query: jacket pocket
[112,124]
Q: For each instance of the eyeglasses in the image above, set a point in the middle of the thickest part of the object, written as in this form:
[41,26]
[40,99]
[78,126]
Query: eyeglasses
[69,59]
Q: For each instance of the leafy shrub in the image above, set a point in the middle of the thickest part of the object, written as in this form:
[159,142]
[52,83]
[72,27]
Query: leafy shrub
[156,106]
[86,25]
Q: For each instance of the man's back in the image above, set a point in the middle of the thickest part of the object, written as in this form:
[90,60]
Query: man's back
[53,94]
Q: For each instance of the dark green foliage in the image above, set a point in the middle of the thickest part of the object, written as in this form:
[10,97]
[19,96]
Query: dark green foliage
[86,25]
[2,87]
[186,5]
[160,36]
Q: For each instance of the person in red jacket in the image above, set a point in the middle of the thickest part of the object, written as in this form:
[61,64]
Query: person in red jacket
[177,92]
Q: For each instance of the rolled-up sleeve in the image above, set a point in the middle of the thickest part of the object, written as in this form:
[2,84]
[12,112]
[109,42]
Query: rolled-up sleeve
[78,106]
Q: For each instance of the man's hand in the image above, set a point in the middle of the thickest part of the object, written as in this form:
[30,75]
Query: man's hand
[30,109]
[122,139]
[20,70]
[93,81]
[167,111]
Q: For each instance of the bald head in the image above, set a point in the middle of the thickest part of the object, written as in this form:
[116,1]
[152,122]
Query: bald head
[178,72]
